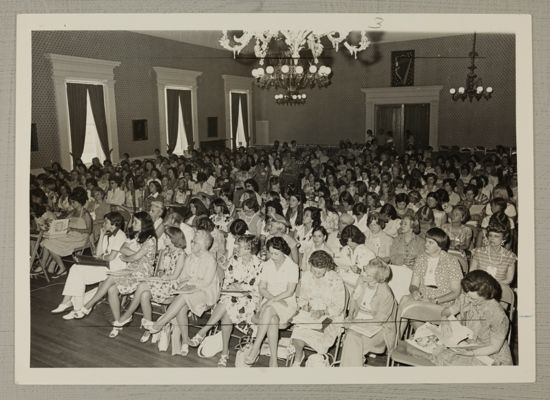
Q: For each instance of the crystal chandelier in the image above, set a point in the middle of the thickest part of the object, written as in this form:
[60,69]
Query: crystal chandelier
[290,98]
[474,85]
[296,42]
[292,77]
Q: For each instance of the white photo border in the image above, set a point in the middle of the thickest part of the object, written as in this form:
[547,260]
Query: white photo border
[519,25]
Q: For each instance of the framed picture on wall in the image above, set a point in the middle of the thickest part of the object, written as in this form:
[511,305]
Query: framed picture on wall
[402,68]
[212,127]
[139,129]
[34,137]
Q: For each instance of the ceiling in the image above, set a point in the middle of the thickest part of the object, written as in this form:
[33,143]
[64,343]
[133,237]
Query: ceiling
[211,38]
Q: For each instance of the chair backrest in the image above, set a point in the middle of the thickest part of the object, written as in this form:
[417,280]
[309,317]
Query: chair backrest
[400,281]
[424,312]
[508,302]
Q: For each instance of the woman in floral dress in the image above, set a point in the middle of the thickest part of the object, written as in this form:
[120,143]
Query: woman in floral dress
[139,253]
[233,308]
[159,289]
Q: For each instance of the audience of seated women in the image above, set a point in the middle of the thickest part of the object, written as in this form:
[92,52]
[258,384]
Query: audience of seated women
[326,201]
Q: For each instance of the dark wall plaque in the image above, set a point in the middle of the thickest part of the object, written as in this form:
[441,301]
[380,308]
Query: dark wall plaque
[139,129]
[402,68]
[212,127]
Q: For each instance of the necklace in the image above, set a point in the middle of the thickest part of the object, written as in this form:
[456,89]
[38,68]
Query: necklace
[499,251]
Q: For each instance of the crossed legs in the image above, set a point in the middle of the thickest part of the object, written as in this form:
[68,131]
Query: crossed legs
[268,326]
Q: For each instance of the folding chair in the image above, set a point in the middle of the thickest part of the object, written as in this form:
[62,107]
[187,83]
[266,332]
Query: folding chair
[36,254]
[400,281]
[508,302]
[412,312]
[335,350]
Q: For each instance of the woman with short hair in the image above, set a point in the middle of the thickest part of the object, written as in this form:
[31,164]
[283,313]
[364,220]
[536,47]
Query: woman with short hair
[494,258]
[407,246]
[436,274]
[378,241]
[321,293]
[478,308]
[278,282]
[372,309]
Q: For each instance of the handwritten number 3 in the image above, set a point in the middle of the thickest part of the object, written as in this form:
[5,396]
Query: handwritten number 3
[379,21]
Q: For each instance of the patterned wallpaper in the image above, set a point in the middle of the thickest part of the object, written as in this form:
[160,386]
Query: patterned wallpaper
[135,88]
[329,114]
[338,111]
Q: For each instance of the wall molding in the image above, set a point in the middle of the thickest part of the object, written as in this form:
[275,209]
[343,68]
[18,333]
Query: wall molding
[405,95]
[180,78]
[243,84]
[89,70]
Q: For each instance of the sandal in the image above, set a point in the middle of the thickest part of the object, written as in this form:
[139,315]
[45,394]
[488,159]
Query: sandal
[145,337]
[222,362]
[247,359]
[120,324]
[114,332]
[196,341]
[296,363]
[59,274]
[184,350]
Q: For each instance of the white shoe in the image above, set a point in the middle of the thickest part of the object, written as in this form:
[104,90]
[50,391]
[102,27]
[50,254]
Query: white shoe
[61,308]
[72,315]
[76,314]
[184,350]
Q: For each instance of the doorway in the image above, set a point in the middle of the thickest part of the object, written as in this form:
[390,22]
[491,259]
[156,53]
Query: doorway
[409,124]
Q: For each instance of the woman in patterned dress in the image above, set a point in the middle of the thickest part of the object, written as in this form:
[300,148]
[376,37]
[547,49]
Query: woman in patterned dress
[139,253]
[241,275]
[479,310]
[159,289]
[220,215]
[494,259]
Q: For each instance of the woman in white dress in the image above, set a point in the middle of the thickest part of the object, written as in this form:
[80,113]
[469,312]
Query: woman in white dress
[112,238]
[277,287]
[321,296]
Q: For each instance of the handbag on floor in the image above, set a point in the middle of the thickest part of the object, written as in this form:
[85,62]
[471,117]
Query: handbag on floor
[164,338]
[210,346]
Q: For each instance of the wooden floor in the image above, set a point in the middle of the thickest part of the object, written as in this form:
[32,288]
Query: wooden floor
[85,343]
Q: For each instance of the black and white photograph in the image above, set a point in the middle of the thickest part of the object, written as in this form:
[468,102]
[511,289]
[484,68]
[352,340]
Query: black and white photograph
[260,196]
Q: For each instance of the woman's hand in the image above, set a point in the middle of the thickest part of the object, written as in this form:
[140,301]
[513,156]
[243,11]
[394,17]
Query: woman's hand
[417,295]
[463,352]
[316,314]
[446,329]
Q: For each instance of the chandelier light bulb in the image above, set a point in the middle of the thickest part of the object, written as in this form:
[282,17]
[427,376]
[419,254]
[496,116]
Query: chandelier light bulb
[304,96]
[299,69]
[269,69]
[328,70]
[452,91]
[479,89]
[260,71]
[313,69]
[285,68]
[461,90]
[293,97]
[489,89]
